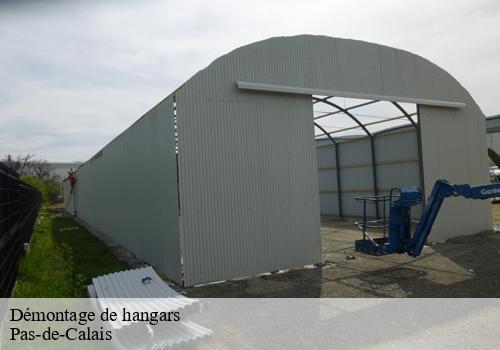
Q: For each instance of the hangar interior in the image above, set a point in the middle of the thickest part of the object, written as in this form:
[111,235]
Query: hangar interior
[228,175]
[355,141]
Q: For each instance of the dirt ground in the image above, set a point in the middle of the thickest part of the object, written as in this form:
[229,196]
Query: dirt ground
[466,266]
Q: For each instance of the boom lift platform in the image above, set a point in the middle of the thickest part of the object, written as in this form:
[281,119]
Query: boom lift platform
[399,238]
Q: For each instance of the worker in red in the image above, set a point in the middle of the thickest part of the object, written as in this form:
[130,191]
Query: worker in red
[72,179]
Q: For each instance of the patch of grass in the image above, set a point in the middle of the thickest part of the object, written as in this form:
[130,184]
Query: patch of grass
[62,260]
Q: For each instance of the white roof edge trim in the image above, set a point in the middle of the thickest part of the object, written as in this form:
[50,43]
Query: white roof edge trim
[242,85]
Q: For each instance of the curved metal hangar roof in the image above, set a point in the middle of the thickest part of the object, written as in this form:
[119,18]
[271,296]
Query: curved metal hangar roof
[321,65]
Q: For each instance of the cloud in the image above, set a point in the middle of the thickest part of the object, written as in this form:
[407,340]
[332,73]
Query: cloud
[77,73]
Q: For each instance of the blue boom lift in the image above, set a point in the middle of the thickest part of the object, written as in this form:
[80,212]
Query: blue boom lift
[400,240]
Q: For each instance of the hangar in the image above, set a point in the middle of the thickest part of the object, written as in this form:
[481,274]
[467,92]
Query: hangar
[220,179]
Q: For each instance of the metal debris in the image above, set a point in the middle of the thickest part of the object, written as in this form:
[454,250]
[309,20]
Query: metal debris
[151,293]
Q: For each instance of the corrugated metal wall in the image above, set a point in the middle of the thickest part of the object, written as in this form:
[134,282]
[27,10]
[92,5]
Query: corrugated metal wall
[129,190]
[453,145]
[396,154]
[248,185]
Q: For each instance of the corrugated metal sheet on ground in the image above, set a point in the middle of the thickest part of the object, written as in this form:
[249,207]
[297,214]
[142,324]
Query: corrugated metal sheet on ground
[125,289]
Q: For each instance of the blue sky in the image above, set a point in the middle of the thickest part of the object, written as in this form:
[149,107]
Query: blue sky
[75,74]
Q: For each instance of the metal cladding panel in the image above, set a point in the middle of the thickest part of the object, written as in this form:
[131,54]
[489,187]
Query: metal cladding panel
[328,202]
[390,58]
[357,178]
[248,182]
[326,156]
[454,148]
[397,166]
[399,145]
[398,175]
[397,161]
[129,287]
[129,284]
[127,290]
[354,152]
[327,179]
[325,63]
[128,190]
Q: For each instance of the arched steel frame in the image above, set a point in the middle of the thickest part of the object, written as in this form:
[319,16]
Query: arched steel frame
[402,110]
[372,147]
[371,137]
[337,166]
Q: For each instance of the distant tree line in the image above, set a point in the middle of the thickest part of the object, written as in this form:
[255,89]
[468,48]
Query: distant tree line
[37,173]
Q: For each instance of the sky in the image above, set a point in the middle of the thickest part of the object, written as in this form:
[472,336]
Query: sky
[74,74]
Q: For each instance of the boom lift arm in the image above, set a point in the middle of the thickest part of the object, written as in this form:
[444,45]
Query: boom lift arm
[400,239]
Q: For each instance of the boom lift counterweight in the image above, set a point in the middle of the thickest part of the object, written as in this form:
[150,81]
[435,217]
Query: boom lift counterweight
[400,239]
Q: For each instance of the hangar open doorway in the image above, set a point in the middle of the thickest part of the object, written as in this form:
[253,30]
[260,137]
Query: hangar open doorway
[365,149]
